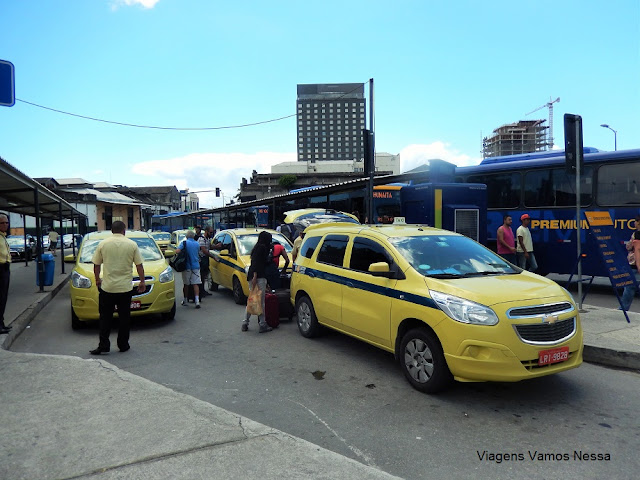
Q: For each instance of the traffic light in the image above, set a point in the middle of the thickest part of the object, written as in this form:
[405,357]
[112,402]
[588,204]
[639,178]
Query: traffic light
[217,191]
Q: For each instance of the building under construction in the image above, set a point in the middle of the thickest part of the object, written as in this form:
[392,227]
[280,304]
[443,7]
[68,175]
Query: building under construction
[526,136]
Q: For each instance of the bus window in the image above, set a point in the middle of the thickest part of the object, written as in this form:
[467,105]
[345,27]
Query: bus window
[618,184]
[503,190]
[556,188]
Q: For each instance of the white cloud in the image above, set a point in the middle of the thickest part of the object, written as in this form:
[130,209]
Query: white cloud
[206,171]
[144,3]
[414,155]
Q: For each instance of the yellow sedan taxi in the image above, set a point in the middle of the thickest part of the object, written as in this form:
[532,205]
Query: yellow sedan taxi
[231,251]
[159,296]
[446,306]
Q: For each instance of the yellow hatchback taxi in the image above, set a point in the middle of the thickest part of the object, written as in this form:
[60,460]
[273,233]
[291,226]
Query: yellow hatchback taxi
[163,240]
[446,306]
[159,296]
[231,251]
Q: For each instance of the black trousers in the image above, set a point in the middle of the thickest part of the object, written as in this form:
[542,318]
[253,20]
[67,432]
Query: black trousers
[106,305]
[5,275]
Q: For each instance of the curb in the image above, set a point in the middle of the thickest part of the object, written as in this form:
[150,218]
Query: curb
[24,319]
[611,357]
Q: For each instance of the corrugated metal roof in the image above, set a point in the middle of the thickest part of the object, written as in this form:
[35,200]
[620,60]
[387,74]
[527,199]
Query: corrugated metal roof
[105,197]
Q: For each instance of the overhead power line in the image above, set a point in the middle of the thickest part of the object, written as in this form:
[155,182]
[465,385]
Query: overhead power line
[155,127]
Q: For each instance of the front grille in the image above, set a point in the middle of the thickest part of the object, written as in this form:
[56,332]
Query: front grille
[538,310]
[147,289]
[546,333]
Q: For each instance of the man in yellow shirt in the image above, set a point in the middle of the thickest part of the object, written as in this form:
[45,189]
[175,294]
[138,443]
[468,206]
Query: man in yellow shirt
[115,255]
[5,263]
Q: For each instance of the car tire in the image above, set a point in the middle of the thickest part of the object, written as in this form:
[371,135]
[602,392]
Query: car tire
[171,314]
[307,320]
[76,324]
[238,294]
[423,362]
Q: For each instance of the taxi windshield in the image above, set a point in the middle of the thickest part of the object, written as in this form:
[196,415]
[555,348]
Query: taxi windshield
[161,236]
[247,242]
[148,249]
[449,256]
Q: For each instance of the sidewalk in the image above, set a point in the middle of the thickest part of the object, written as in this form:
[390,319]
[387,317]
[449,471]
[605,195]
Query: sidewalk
[67,417]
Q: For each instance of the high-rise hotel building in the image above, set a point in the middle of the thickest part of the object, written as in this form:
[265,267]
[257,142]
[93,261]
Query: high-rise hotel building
[330,121]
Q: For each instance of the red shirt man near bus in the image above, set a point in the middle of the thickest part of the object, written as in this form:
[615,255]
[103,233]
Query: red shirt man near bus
[506,240]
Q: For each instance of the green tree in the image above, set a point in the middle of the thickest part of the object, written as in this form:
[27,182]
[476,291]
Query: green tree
[286,181]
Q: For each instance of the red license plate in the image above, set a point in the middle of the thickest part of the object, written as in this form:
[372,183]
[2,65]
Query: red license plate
[135,305]
[554,355]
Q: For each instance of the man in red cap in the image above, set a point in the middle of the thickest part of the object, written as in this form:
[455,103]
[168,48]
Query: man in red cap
[524,248]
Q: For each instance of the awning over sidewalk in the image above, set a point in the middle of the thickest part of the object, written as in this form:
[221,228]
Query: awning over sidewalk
[21,194]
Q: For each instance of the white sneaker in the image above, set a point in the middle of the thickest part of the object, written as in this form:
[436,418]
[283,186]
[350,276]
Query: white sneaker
[197,304]
[184,303]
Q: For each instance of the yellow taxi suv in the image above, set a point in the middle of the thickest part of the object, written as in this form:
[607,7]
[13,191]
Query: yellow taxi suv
[158,297]
[446,306]
[231,250]
[163,239]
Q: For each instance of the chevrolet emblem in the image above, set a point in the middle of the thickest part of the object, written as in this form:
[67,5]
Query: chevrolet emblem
[550,319]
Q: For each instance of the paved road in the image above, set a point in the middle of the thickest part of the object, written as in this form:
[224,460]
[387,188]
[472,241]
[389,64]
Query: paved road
[362,407]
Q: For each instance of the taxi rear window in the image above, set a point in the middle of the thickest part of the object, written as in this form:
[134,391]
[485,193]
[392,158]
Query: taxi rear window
[309,246]
[333,249]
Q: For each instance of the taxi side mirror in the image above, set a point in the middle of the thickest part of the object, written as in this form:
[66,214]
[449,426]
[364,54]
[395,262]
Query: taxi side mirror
[169,253]
[224,253]
[382,269]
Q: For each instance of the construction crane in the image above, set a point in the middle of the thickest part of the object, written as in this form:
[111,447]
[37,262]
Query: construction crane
[549,105]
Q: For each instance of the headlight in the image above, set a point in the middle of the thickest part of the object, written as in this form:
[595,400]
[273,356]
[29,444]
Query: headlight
[166,275]
[464,311]
[80,281]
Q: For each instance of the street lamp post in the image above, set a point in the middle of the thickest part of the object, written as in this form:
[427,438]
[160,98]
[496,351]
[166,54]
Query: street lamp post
[615,136]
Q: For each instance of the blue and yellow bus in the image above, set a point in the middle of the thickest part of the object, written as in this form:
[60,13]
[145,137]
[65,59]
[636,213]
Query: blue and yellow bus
[538,184]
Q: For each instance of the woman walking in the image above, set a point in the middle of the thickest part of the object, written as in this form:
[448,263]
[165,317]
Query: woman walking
[257,276]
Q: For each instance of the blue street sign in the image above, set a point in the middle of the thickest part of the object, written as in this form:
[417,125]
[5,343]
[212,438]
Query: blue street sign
[7,84]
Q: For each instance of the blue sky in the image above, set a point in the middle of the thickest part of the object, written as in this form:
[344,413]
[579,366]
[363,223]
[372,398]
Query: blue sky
[446,74]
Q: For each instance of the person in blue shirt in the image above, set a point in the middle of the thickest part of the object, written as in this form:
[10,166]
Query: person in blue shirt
[191,275]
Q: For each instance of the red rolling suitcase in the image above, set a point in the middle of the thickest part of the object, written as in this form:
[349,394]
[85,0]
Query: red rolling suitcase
[271,310]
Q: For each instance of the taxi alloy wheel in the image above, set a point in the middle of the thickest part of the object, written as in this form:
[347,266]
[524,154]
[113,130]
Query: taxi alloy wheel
[307,320]
[423,361]
[238,294]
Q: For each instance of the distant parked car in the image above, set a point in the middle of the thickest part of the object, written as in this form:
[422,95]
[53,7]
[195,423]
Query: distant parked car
[67,239]
[20,250]
[45,242]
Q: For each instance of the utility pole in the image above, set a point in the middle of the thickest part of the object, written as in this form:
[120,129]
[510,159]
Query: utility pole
[372,149]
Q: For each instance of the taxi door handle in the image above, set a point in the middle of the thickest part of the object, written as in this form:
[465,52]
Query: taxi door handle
[312,275]
[350,285]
